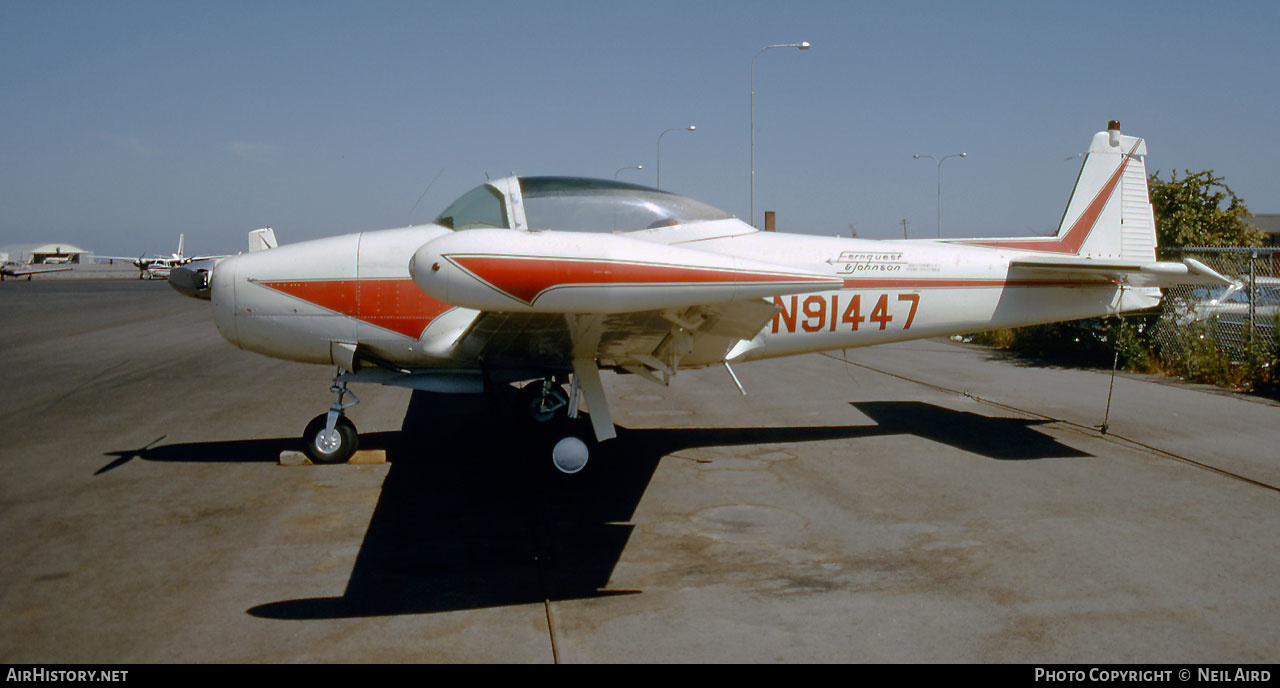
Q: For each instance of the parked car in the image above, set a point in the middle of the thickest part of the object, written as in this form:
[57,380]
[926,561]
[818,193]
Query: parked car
[1231,313]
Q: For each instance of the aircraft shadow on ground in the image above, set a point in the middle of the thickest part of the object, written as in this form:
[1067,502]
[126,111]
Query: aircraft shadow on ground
[1005,439]
[472,515]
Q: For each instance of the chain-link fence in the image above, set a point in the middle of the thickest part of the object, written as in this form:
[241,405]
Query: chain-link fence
[1239,324]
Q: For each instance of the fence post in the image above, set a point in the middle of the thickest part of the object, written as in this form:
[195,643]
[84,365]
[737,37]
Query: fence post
[1253,297]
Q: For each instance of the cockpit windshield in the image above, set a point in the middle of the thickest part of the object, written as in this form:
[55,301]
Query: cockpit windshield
[479,207]
[575,204]
[597,205]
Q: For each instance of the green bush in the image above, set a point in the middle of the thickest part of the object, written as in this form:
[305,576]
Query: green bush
[1128,343]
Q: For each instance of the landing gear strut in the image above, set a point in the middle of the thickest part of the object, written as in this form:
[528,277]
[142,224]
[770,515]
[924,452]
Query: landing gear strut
[555,417]
[542,400]
[331,437]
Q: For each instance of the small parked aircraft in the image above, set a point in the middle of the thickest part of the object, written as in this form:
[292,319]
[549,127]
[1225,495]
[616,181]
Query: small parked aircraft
[159,267]
[549,280]
[13,268]
[192,278]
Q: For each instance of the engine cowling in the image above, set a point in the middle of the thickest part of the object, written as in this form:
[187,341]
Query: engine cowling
[566,272]
[193,279]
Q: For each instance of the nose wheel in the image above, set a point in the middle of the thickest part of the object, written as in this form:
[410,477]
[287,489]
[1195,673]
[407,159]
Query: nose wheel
[330,445]
[331,437]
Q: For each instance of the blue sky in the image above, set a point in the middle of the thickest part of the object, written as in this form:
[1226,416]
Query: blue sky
[125,123]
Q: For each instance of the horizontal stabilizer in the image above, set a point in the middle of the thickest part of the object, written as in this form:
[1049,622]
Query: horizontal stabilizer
[1134,273]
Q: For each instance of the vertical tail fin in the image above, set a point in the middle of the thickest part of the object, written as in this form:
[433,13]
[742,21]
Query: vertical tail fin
[1109,214]
[262,239]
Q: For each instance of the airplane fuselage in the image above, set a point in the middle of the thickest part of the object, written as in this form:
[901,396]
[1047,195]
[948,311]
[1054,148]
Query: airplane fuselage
[297,301]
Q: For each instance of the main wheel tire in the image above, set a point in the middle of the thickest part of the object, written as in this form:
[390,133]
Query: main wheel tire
[326,448]
[531,402]
[570,454]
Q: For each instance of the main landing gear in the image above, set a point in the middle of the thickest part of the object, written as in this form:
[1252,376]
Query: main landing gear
[542,402]
[553,420]
[331,437]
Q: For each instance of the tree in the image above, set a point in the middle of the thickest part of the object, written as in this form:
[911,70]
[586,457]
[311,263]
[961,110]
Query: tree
[1199,210]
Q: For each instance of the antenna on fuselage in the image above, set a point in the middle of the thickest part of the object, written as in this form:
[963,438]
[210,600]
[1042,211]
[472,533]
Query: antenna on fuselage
[424,194]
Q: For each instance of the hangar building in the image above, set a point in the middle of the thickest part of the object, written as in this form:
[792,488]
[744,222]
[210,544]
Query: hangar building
[51,253]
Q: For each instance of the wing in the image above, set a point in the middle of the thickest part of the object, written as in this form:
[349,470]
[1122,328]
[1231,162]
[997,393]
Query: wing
[24,270]
[562,301]
[650,343]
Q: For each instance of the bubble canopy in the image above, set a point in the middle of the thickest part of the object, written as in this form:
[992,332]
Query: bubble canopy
[573,204]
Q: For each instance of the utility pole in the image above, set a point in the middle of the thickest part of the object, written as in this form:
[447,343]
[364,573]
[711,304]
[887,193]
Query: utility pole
[904,228]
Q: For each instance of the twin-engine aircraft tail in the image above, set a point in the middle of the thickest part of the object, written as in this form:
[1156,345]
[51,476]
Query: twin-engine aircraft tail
[1109,214]
[1108,230]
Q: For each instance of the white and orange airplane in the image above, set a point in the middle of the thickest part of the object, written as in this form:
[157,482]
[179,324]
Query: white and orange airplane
[550,280]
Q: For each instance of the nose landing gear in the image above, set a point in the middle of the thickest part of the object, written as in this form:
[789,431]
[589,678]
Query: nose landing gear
[331,437]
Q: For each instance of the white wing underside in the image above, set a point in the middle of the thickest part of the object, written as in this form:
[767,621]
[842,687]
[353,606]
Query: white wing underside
[647,342]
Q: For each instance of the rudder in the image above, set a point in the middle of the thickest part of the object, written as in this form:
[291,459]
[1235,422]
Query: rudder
[1109,214]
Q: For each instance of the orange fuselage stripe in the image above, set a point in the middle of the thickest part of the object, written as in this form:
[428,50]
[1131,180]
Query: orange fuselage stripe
[525,278]
[395,304]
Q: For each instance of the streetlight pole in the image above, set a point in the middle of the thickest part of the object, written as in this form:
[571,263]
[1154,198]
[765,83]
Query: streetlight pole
[628,167]
[659,165]
[802,45]
[939,161]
